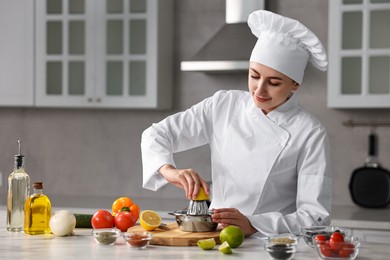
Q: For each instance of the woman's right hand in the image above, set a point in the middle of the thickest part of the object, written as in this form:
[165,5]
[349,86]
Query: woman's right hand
[187,179]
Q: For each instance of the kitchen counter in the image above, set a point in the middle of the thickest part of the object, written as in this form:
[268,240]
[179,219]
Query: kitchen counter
[361,218]
[82,246]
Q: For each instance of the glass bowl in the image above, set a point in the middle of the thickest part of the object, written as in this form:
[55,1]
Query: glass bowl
[349,249]
[309,232]
[106,236]
[280,251]
[138,239]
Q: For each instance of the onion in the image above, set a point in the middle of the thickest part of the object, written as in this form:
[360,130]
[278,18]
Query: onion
[62,223]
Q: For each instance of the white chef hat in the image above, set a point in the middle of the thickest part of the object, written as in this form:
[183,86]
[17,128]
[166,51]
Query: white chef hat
[285,44]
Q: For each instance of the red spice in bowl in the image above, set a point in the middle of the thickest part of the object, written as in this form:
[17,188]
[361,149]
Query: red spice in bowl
[137,239]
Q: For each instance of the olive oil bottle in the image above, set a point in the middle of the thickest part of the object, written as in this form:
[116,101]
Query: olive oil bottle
[18,192]
[37,212]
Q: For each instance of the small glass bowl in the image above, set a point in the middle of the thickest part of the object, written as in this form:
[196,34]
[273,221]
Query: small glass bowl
[138,239]
[308,233]
[280,251]
[349,249]
[106,236]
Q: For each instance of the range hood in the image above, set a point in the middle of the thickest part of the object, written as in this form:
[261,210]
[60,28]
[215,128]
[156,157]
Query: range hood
[229,49]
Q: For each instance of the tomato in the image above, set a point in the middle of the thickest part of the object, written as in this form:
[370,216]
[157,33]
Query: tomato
[320,239]
[336,241]
[337,236]
[346,250]
[102,219]
[125,204]
[326,250]
[124,219]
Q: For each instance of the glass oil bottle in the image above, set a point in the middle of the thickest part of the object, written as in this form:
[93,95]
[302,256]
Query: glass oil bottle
[18,192]
[37,212]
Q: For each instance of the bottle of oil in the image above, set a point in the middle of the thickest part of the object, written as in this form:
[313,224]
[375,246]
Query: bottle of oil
[18,192]
[37,212]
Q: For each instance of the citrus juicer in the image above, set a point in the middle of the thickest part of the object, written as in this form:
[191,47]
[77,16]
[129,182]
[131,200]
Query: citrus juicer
[197,217]
[198,206]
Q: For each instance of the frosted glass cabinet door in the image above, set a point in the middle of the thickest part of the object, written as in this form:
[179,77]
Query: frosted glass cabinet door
[359,54]
[63,61]
[17,52]
[104,53]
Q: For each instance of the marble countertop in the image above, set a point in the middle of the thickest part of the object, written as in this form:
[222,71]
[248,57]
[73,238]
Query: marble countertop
[82,246]
[361,218]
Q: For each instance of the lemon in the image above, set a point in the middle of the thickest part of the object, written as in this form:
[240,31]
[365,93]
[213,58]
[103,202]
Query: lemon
[225,248]
[202,195]
[206,244]
[149,220]
[233,235]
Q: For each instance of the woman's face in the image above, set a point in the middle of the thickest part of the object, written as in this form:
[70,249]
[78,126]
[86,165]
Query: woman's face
[269,88]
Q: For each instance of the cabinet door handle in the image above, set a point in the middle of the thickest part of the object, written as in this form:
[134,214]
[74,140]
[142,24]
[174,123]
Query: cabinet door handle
[98,100]
[89,100]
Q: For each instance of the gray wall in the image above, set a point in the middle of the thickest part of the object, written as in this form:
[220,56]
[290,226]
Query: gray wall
[88,157]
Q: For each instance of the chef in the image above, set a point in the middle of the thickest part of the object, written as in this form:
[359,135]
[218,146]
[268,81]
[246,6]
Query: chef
[269,157]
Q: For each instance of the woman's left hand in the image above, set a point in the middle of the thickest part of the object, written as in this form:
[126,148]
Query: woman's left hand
[231,216]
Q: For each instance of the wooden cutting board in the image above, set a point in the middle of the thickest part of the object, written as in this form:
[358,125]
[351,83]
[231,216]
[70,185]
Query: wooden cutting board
[171,235]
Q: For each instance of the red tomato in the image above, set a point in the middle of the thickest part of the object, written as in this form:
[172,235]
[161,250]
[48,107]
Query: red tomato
[102,219]
[336,241]
[320,239]
[337,236]
[124,219]
[346,250]
[326,251]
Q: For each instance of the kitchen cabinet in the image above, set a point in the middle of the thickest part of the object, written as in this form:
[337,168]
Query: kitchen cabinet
[16,53]
[101,53]
[359,54]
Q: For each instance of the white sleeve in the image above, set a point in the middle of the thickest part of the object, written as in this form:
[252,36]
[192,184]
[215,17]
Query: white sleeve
[176,133]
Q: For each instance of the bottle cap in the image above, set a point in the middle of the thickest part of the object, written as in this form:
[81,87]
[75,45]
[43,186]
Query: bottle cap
[38,185]
[19,158]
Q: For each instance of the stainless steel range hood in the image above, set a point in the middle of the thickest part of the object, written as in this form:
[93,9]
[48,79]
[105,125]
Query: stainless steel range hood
[229,49]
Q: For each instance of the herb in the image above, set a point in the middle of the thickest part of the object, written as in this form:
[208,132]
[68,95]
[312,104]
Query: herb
[106,238]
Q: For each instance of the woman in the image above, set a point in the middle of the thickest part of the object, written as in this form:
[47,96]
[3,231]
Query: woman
[270,158]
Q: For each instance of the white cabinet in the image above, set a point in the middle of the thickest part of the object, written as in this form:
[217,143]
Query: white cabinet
[16,53]
[99,53]
[370,235]
[359,54]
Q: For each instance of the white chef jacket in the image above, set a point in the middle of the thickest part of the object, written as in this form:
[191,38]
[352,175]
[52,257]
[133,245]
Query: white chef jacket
[273,168]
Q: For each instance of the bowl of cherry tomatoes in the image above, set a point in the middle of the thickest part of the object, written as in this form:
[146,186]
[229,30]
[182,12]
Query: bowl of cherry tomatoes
[336,246]
[308,233]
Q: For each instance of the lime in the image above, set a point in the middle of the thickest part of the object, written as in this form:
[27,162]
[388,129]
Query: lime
[225,248]
[202,195]
[206,244]
[233,235]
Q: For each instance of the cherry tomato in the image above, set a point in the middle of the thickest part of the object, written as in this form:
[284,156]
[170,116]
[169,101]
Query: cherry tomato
[336,241]
[102,219]
[320,239]
[326,250]
[346,250]
[124,219]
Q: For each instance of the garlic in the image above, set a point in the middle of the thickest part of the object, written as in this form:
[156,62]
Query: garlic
[62,223]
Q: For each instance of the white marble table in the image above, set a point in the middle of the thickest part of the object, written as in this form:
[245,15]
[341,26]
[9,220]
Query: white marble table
[82,246]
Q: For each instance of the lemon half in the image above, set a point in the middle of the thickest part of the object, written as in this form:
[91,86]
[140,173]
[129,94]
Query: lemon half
[149,220]
[202,195]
